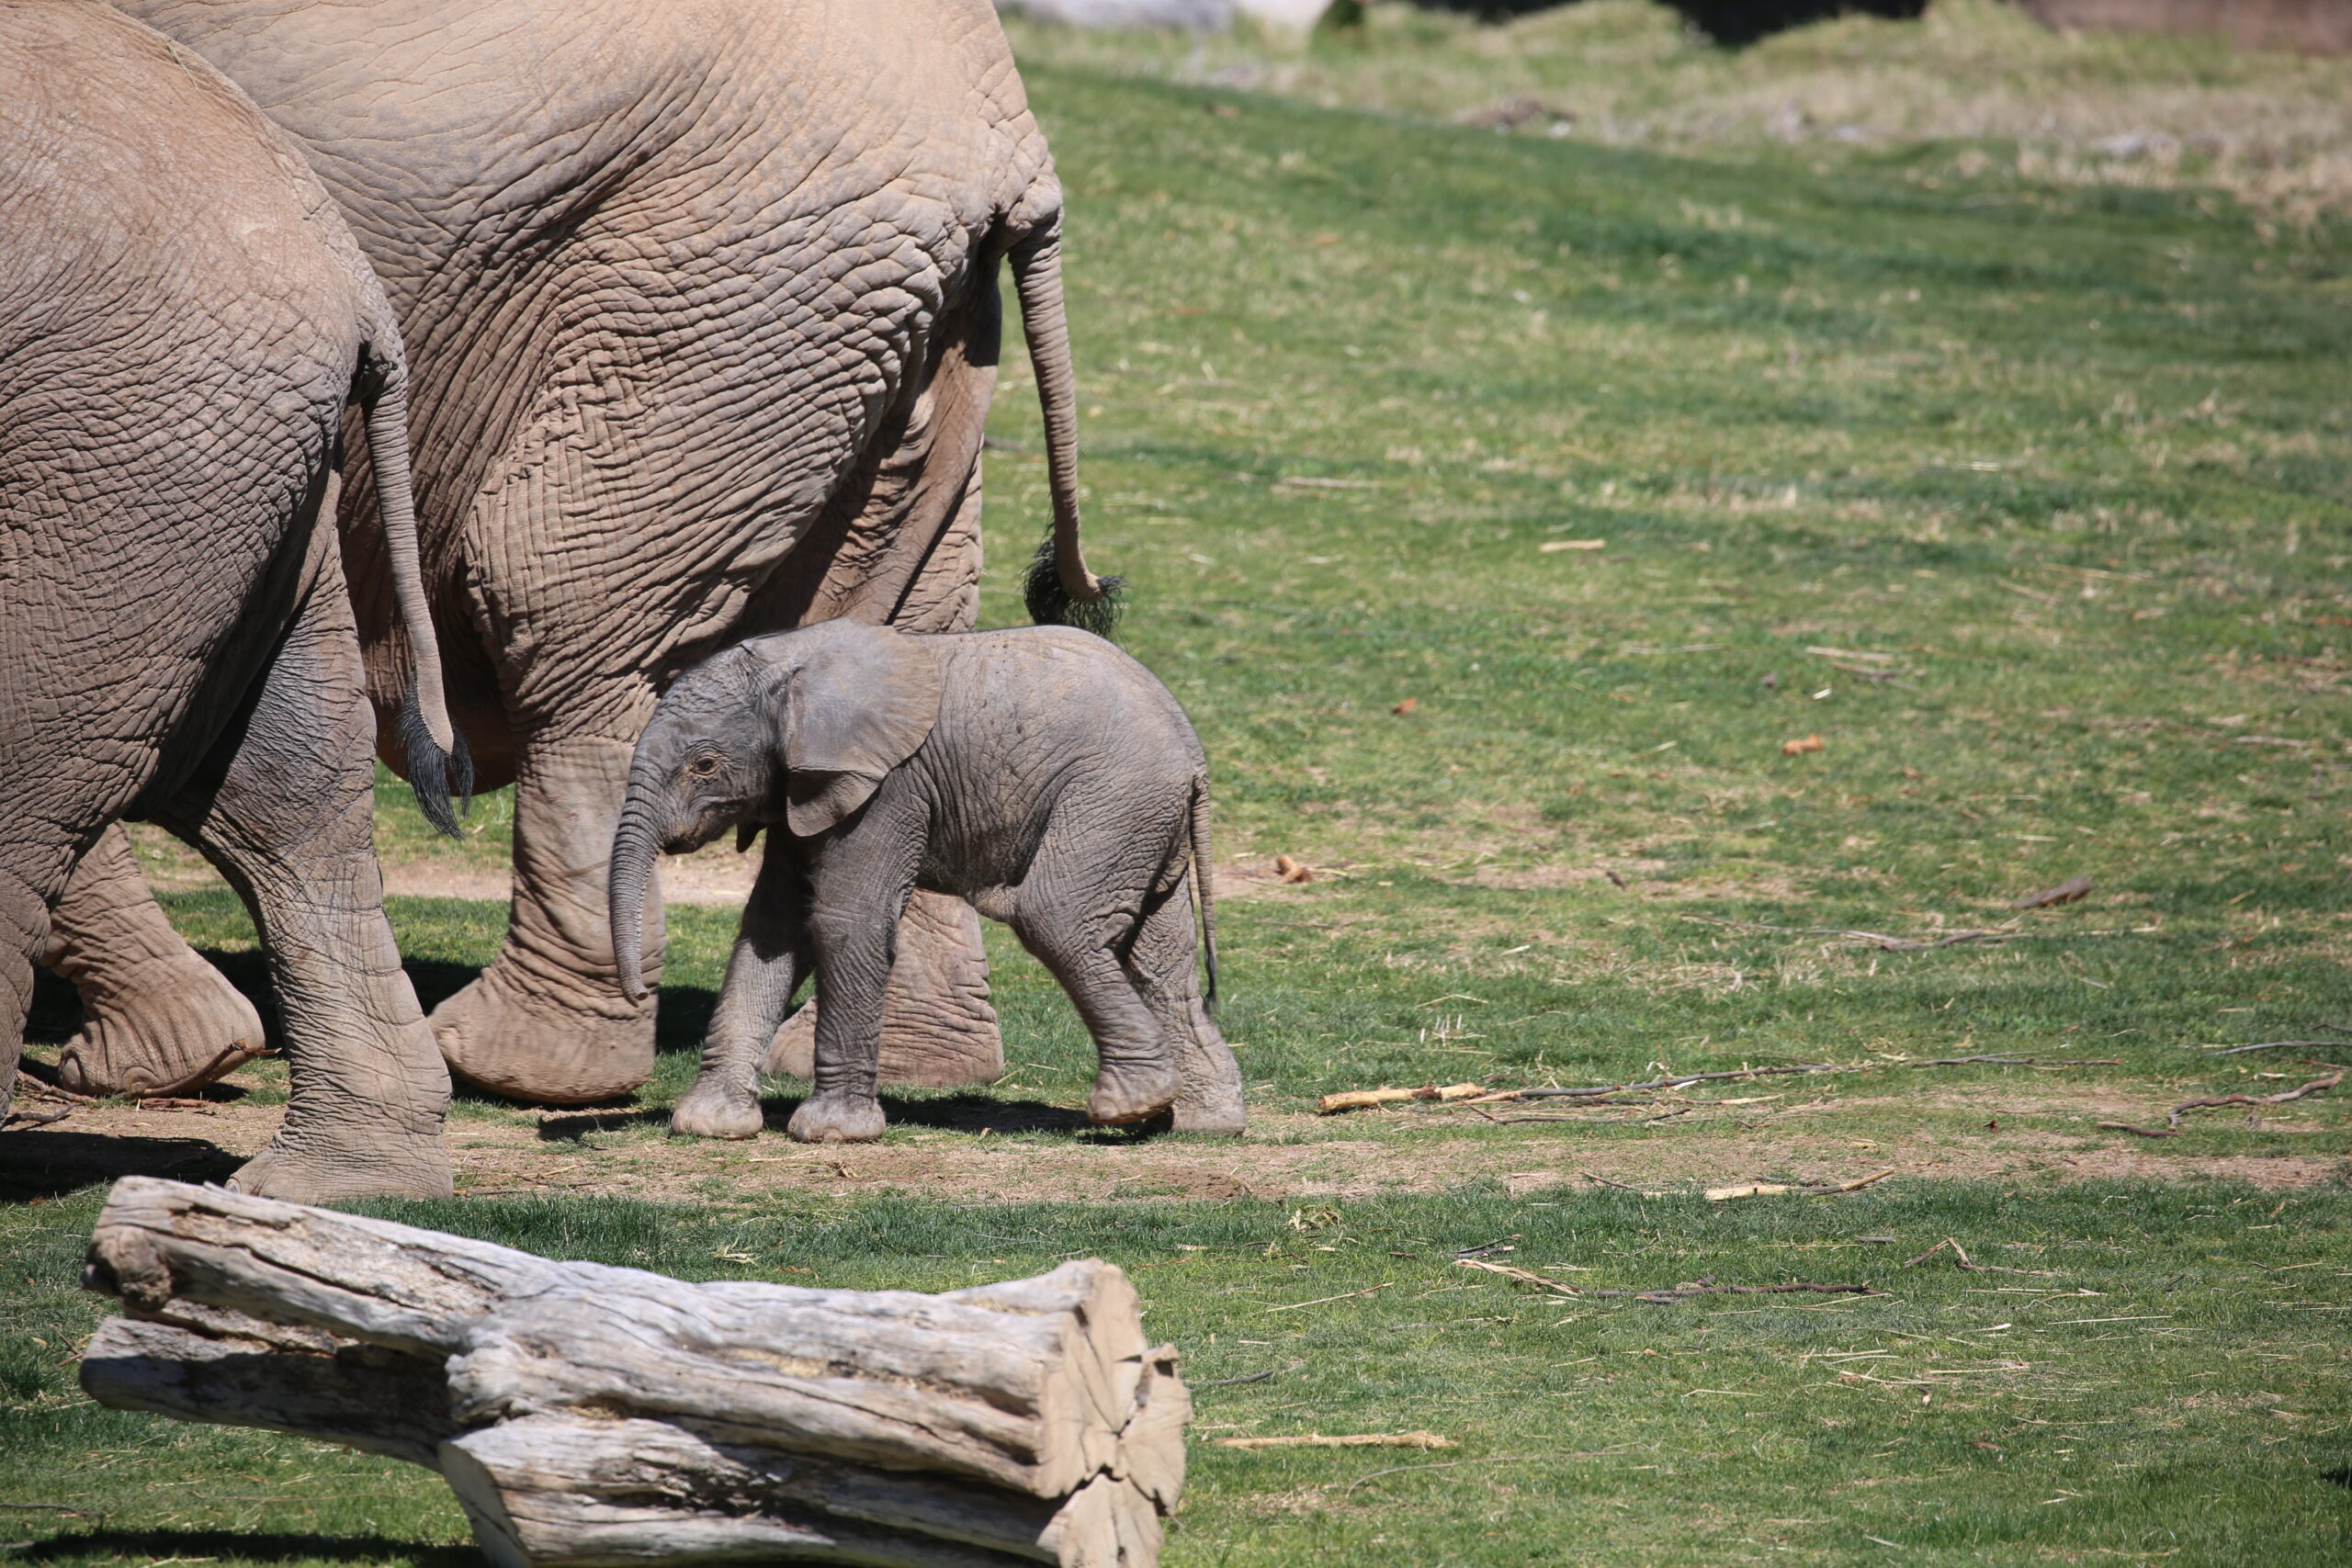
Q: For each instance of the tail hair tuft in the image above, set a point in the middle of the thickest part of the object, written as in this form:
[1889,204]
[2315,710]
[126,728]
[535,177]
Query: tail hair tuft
[1051,604]
[435,776]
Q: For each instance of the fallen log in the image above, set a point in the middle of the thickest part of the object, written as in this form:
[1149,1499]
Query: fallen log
[588,1415]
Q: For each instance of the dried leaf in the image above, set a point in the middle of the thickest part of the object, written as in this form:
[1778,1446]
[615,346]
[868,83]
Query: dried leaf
[1408,706]
[1292,869]
[1798,747]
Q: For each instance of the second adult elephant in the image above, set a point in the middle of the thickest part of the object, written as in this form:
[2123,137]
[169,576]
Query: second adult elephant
[702,315]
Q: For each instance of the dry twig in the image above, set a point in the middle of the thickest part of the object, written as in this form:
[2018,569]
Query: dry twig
[1520,1275]
[2136,1129]
[1364,1099]
[2067,892]
[1703,1286]
[1869,938]
[1958,1253]
[1601,1091]
[2254,1101]
[2280,1046]
[1324,1301]
[1775,1189]
[1352,1440]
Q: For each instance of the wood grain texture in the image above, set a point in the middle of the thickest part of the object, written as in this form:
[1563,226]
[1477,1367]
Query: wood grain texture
[587,1415]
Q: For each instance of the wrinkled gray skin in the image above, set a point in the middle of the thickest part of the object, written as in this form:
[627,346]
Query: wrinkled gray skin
[1041,774]
[183,318]
[701,302]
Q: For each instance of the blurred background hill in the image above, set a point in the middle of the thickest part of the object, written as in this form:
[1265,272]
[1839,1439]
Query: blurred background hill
[2168,94]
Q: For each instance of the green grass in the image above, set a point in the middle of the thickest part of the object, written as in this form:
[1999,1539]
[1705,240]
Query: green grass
[2068,464]
[2163,1373]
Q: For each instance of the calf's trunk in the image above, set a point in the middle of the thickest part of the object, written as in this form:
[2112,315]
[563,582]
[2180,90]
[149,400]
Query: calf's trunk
[635,849]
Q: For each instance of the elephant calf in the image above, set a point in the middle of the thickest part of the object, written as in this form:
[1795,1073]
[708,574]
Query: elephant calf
[1040,773]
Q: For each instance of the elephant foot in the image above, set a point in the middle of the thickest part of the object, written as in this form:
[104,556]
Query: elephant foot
[837,1119]
[712,1111]
[169,1026]
[1210,1101]
[1133,1092]
[333,1165]
[534,1049]
[935,1042]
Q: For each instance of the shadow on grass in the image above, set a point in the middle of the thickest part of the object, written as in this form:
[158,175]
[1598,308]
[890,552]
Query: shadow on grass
[200,1546]
[570,1126]
[38,1163]
[978,1113]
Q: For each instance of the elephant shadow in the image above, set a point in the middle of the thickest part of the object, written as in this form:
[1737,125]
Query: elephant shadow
[978,1113]
[40,1162]
[284,1546]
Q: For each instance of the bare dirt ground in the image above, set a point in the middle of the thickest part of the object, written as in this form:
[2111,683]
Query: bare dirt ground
[976,1149]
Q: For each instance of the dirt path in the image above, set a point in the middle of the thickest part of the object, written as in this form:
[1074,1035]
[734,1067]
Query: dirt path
[961,1155]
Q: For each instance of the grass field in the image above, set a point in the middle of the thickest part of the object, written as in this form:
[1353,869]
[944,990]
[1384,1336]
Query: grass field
[2028,494]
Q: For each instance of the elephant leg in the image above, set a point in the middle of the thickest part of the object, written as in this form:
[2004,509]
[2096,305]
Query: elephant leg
[285,808]
[156,1018]
[31,866]
[1058,920]
[938,1029]
[853,954]
[1162,964]
[547,1021]
[766,968]
[912,559]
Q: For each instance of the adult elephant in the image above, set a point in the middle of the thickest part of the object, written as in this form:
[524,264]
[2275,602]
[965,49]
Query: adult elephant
[700,300]
[183,319]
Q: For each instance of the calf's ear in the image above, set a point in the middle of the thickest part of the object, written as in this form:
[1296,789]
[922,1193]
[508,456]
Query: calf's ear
[860,703]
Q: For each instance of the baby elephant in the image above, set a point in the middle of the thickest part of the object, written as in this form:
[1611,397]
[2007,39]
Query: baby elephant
[1039,773]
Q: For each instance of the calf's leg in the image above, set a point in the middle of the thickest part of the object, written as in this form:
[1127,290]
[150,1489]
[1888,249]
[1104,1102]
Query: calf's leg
[770,958]
[1162,964]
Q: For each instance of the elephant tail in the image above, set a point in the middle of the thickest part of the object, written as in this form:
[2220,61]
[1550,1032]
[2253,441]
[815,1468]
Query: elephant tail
[438,765]
[1060,590]
[1204,878]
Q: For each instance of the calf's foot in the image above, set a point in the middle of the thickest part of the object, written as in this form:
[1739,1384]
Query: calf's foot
[711,1110]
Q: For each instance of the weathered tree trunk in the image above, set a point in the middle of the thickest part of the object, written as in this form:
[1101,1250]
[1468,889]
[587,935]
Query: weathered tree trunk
[588,1415]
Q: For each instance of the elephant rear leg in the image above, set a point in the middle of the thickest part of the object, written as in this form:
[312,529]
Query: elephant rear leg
[1138,1076]
[1162,964]
[286,810]
[156,1018]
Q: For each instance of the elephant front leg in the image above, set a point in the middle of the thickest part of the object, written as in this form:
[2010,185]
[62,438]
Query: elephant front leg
[938,1029]
[767,965]
[156,1018]
[547,1023]
[856,896]
[286,811]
